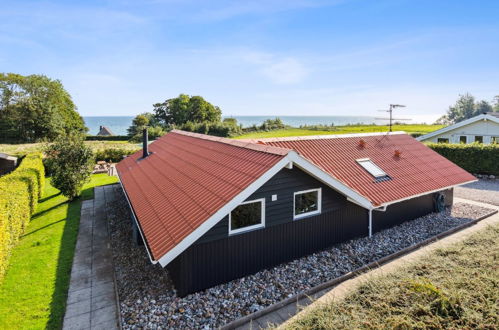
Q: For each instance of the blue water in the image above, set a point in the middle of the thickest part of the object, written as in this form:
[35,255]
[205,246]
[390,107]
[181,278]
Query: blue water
[119,124]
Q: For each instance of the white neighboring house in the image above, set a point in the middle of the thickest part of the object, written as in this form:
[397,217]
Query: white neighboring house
[483,128]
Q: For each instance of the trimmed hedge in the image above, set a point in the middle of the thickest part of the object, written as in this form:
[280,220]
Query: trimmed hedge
[107,138]
[112,154]
[474,158]
[19,194]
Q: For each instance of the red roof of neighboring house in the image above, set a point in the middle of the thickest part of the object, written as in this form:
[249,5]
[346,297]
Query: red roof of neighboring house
[416,171]
[186,179]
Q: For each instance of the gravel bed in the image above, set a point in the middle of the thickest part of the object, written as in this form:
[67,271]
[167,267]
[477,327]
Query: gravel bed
[148,299]
[486,191]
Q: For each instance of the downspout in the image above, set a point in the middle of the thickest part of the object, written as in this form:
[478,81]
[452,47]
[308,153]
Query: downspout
[381,209]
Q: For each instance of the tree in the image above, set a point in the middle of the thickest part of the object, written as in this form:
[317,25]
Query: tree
[185,108]
[464,108]
[35,108]
[496,103]
[70,163]
[142,121]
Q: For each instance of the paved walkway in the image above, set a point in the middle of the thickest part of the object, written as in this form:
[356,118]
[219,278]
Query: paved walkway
[286,313]
[92,301]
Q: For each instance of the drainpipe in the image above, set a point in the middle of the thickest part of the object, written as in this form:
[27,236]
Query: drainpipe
[370,222]
[381,209]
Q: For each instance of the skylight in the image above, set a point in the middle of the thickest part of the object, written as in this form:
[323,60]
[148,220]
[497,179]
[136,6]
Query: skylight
[372,168]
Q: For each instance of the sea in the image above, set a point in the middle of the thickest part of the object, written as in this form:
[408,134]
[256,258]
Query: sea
[119,124]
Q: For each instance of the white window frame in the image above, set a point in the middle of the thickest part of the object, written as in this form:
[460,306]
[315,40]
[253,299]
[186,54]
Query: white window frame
[253,227]
[319,204]
[362,160]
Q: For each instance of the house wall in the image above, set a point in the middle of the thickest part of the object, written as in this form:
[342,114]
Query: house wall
[410,209]
[488,129]
[284,184]
[210,263]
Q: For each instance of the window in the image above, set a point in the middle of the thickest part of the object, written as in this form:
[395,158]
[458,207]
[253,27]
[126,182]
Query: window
[479,139]
[307,202]
[247,216]
[495,140]
[442,140]
[372,168]
[463,139]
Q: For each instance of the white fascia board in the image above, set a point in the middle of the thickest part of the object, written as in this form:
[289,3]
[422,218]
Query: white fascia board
[329,180]
[221,213]
[425,193]
[455,126]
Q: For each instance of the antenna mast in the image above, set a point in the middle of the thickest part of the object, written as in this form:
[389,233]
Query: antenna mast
[390,111]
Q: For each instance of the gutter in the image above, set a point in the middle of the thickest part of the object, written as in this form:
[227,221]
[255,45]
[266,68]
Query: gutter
[136,222]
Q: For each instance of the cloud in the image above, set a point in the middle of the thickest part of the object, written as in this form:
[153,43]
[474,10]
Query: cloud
[279,70]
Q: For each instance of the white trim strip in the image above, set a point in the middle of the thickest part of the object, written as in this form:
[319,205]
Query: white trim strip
[321,137]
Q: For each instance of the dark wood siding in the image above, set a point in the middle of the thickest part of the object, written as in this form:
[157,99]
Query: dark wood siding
[284,184]
[204,265]
[407,210]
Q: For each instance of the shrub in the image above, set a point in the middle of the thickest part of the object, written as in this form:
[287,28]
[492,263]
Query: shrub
[113,155]
[71,164]
[19,194]
[223,129]
[474,158]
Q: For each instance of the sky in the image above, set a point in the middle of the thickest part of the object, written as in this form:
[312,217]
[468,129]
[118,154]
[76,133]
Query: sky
[258,57]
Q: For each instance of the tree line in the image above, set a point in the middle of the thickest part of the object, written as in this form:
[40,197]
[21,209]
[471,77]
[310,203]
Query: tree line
[466,107]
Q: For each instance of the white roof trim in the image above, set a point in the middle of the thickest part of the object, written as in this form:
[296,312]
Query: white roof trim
[457,125]
[241,197]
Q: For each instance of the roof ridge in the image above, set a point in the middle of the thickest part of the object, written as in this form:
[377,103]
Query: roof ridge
[236,143]
[319,137]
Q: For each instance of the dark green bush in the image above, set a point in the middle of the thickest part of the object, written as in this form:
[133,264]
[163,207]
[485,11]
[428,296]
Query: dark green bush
[474,158]
[19,194]
[223,129]
[113,155]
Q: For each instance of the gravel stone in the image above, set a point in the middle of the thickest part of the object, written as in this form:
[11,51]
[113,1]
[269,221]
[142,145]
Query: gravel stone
[148,299]
[486,191]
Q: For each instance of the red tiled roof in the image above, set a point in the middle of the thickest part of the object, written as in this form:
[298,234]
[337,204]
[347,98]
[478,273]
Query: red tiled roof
[187,178]
[418,170]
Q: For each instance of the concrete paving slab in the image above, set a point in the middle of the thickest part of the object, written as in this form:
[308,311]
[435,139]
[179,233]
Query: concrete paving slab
[92,300]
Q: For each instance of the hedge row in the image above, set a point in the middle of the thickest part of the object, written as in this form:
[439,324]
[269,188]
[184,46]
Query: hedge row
[19,194]
[112,154]
[474,158]
[107,138]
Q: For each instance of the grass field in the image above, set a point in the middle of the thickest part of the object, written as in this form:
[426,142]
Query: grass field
[453,288]
[421,129]
[34,291]
[24,148]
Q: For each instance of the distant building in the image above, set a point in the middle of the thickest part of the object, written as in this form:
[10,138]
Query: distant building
[7,163]
[105,131]
[483,128]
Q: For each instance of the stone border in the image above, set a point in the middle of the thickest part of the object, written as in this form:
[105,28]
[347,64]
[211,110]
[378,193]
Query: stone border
[307,294]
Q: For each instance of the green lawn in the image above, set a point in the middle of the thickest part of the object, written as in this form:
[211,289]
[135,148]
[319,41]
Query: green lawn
[455,287]
[34,291]
[419,128]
